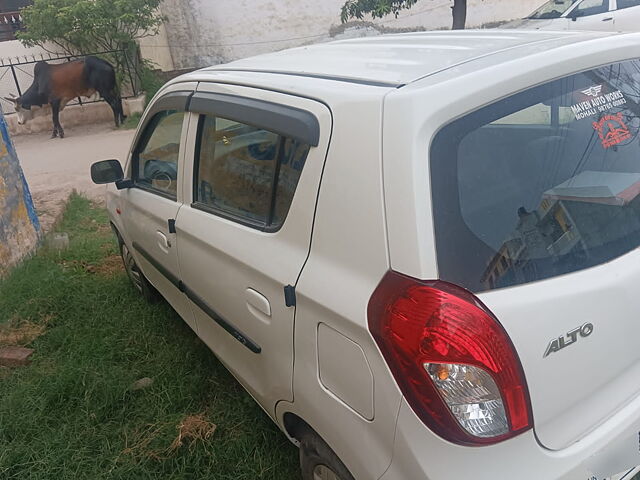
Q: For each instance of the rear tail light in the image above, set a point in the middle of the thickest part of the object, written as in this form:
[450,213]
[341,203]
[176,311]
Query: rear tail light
[452,359]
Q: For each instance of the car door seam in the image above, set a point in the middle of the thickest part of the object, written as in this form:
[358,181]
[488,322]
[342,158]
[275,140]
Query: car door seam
[211,313]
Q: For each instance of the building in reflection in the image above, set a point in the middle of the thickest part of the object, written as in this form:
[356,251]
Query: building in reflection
[584,221]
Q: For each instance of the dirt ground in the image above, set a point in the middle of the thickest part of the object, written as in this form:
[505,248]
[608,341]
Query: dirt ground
[55,167]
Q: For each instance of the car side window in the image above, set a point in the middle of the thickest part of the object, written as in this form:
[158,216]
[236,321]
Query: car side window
[590,7]
[622,4]
[155,160]
[246,173]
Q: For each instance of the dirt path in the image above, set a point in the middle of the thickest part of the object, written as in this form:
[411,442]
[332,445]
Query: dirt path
[54,167]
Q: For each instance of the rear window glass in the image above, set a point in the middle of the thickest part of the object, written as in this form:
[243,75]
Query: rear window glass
[542,183]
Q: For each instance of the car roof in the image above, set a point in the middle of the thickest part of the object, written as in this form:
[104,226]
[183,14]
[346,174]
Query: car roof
[400,59]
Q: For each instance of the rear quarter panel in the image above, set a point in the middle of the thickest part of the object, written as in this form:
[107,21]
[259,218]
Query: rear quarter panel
[413,116]
[347,260]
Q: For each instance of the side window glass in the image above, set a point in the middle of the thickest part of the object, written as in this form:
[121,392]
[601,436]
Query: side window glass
[247,172]
[155,160]
[622,4]
[293,157]
[591,7]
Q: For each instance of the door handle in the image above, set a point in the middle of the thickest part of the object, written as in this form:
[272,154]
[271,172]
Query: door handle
[258,304]
[607,19]
[163,242]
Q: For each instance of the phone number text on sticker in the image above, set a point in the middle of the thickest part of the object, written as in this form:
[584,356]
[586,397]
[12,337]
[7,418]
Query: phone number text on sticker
[598,104]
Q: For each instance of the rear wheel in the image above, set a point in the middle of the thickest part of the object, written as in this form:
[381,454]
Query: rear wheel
[319,462]
[148,292]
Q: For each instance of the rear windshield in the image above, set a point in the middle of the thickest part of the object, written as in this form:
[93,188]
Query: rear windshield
[542,183]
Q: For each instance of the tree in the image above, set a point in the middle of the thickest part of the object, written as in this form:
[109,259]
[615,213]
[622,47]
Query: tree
[381,8]
[86,26]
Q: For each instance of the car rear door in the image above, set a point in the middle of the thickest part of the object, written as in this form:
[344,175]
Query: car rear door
[627,15]
[244,232]
[592,15]
[150,207]
[537,211]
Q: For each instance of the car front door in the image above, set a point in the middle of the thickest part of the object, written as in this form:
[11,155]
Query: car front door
[244,231]
[591,15]
[627,16]
[150,207]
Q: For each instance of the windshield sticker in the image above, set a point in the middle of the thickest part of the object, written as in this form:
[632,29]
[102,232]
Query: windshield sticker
[596,102]
[612,130]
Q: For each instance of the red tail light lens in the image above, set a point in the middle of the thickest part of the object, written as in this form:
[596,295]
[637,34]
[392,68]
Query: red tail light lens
[452,359]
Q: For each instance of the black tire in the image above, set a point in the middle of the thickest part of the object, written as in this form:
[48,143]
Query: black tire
[139,281]
[319,462]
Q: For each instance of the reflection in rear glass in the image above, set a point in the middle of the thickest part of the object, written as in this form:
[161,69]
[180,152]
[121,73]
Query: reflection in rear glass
[542,183]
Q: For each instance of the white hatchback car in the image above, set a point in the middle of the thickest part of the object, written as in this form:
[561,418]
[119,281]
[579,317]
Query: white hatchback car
[600,15]
[418,253]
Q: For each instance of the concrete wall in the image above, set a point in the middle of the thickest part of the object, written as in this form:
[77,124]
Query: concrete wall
[156,50]
[19,226]
[206,32]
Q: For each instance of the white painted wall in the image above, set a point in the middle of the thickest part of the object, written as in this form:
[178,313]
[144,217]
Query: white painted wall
[205,32]
[13,48]
[156,50]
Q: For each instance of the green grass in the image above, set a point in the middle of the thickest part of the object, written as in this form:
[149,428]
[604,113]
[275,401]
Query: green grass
[71,413]
[132,121]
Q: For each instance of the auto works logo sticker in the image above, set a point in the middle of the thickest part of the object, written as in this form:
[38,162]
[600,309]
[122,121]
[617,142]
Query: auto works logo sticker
[596,102]
[593,91]
[612,130]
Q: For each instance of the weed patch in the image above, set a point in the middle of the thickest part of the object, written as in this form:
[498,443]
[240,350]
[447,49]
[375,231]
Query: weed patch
[18,332]
[194,428]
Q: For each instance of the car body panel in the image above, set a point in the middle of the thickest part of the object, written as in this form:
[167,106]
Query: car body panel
[336,284]
[394,60]
[368,209]
[220,269]
[626,19]
[558,385]
[143,222]
[615,20]
[613,448]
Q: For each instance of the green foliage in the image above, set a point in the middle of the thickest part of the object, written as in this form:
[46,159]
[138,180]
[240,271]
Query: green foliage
[132,121]
[150,82]
[85,26]
[381,8]
[376,8]
[71,413]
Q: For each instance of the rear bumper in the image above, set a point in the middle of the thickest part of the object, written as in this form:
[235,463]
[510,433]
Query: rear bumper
[612,448]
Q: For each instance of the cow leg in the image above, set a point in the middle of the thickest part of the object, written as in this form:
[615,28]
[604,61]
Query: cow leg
[116,106]
[111,100]
[57,128]
[123,117]
[116,113]
[115,102]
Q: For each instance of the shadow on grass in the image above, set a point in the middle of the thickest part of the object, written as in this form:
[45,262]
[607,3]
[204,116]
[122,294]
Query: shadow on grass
[71,413]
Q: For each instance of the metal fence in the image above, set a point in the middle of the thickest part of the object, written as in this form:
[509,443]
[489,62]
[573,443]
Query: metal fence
[16,74]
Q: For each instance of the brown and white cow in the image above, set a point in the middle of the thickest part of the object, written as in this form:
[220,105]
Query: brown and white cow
[57,84]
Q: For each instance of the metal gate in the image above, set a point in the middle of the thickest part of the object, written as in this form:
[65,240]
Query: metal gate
[16,74]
